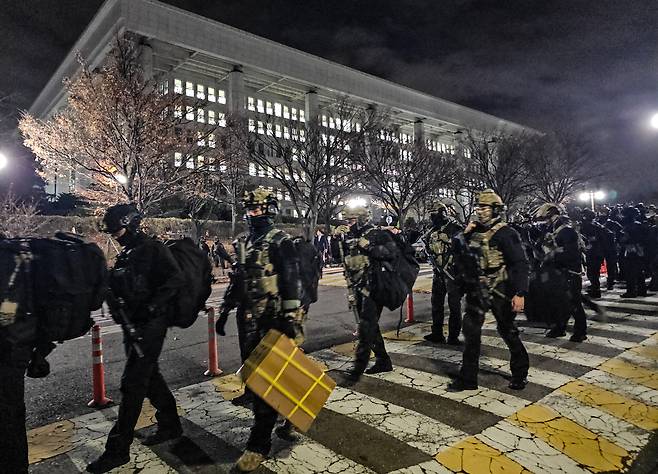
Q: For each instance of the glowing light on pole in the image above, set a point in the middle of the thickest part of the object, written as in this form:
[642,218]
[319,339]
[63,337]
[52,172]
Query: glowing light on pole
[591,196]
[121,179]
[654,121]
[3,161]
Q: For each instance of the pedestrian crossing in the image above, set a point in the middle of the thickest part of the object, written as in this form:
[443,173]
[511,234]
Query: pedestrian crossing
[588,407]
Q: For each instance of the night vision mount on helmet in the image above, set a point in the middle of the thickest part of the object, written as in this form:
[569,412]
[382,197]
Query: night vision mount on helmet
[262,198]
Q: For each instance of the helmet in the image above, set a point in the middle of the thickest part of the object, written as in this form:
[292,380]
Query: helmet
[588,214]
[438,207]
[630,213]
[262,198]
[121,216]
[489,198]
[548,209]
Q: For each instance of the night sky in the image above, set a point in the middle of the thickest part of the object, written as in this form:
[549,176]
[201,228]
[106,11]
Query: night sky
[586,66]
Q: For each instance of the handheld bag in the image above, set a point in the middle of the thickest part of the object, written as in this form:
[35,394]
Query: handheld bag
[198,281]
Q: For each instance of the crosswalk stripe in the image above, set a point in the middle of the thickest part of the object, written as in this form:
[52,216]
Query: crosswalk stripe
[408,426]
[635,320]
[594,452]
[635,373]
[628,409]
[583,412]
[641,356]
[534,454]
[622,386]
[558,353]
[537,376]
[473,456]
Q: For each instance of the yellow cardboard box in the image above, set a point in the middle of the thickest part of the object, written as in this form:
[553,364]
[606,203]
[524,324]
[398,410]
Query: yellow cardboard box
[291,383]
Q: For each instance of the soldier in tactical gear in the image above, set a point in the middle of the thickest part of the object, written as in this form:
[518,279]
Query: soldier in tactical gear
[501,283]
[633,253]
[365,245]
[595,249]
[143,282]
[272,286]
[439,247]
[563,250]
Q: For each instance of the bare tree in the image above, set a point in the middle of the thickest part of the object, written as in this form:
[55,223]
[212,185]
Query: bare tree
[559,164]
[17,218]
[397,170]
[311,160]
[497,161]
[120,122]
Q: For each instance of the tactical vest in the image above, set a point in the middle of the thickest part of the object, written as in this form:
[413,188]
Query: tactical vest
[492,261]
[550,241]
[261,281]
[440,246]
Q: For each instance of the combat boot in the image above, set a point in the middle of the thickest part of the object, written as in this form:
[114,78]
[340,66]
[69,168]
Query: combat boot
[108,461]
[380,366]
[458,385]
[436,338]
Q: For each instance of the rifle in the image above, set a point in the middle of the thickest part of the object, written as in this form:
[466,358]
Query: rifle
[471,275]
[351,287]
[432,258]
[117,305]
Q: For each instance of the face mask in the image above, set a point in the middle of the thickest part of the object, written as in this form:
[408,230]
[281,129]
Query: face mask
[484,214]
[259,222]
[438,219]
[126,239]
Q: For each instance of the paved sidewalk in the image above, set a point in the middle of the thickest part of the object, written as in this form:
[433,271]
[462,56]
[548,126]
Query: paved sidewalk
[589,407]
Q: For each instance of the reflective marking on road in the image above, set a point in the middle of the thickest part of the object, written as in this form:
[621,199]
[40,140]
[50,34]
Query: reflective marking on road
[628,409]
[588,449]
[635,373]
[475,457]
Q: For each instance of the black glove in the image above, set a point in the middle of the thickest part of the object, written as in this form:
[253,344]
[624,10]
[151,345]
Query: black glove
[221,322]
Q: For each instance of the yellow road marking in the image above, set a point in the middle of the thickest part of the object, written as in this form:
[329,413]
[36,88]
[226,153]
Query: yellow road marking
[475,457]
[626,370]
[147,415]
[590,450]
[229,386]
[650,352]
[633,411]
[51,440]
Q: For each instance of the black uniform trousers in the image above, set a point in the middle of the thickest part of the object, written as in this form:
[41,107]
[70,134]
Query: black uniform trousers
[13,437]
[634,273]
[593,264]
[613,272]
[142,379]
[472,329]
[370,336]
[574,308]
[441,286]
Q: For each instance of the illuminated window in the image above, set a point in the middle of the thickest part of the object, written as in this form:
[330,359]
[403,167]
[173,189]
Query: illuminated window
[302,135]
[200,161]
[286,196]
[189,89]
[261,127]
[279,195]
[357,126]
[189,163]
[293,113]
[286,132]
[164,87]
[222,168]
[252,169]
[211,94]
[201,141]
[251,104]
[252,125]
[270,172]
[260,106]
[178,86]
[277,130]
[211,141]
[286,112]
[211,117]
[178,159]
[261,171]
[270,130]
[221,119]
[277,109]
[301,116]
[201,116]
[200,91]
[178,111]
[221,96]
[332,123]
[189,114]
[324,121]
[268,107]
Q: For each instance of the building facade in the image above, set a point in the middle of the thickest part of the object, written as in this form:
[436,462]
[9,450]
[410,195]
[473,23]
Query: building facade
[234,71]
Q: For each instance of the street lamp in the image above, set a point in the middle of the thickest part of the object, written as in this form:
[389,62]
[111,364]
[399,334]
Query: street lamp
[654,121]
[3,161]
[591,196]
[121,179]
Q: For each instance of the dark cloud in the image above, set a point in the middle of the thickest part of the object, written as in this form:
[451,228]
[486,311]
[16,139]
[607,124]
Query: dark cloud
[584,65]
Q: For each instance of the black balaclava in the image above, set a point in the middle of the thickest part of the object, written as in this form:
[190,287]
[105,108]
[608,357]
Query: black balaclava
[260,225]
[129,238]
[438,219]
